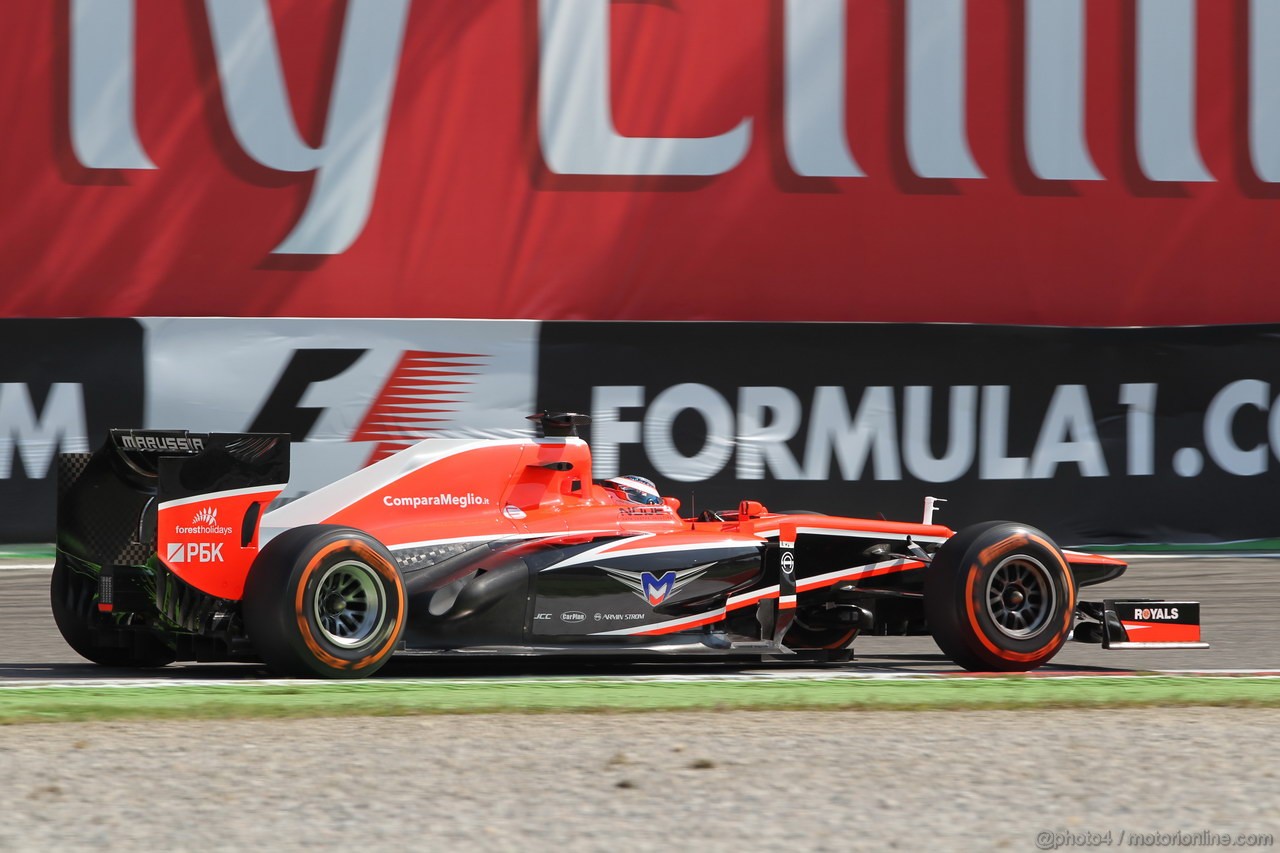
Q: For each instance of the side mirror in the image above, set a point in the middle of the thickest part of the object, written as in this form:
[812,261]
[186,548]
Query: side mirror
[751,509]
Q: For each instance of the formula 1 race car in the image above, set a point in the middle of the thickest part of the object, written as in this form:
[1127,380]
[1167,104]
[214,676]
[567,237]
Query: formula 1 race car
[508,547]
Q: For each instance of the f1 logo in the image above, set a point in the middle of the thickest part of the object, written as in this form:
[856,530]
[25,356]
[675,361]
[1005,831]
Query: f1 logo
[413,395]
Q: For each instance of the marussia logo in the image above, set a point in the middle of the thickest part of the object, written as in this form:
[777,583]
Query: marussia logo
[656,589]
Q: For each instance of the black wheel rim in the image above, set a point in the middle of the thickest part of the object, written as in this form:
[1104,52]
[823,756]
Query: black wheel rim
[348,603]
[1021,597]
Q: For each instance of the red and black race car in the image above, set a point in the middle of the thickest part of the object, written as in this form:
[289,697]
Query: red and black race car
[508,547]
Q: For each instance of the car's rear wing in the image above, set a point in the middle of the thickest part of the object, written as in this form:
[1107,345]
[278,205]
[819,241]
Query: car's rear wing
[189,501]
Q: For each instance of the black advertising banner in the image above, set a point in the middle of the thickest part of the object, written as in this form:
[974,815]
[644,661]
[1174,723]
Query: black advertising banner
[1094,435]
[63,384]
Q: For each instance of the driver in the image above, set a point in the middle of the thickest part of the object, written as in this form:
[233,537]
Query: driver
[633,489]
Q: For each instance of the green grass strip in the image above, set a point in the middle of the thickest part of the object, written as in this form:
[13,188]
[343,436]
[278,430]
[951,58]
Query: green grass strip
[26,552]
[398,698]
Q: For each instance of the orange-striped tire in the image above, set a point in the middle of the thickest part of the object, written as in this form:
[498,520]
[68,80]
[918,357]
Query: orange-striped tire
[999,597]
[324,601]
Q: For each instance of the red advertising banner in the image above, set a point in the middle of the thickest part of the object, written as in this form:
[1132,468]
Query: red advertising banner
[1065,162]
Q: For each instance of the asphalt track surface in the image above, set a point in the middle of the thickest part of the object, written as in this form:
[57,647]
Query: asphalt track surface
[707,780]
[1240,599]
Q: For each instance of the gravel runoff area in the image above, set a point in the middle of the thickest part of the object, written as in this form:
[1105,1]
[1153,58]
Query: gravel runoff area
[834,781]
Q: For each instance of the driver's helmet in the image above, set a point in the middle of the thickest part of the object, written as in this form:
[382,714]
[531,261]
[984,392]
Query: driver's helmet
[632,489]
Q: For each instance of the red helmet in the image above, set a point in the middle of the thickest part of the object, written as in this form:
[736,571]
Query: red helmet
[633,489]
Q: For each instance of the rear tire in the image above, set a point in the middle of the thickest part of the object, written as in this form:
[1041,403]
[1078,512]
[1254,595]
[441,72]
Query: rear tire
[73,597]
[324,601]
[999,597]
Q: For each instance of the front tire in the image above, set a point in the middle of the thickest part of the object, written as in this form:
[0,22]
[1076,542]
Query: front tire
[999,597]
[324,601]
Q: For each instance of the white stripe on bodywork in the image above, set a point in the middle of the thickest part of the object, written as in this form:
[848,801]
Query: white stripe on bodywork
[460,540]
[856,534]
[747,598]
[619,549]
[661,626]
[326,502]
[206,497]
[744,599]
[505,537]
[805,584]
